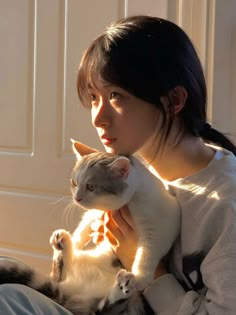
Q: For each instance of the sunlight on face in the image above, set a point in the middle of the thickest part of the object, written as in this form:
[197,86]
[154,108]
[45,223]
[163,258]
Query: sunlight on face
[124,122]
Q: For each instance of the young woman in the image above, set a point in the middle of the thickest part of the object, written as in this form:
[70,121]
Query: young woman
[144,85]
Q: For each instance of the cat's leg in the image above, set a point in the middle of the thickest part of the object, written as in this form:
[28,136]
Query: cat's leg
[145,263]
[147,259]
[82,234]
[123,288]
[62,245]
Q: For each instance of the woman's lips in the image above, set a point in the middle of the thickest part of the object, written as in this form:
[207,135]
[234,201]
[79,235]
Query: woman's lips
[108,140]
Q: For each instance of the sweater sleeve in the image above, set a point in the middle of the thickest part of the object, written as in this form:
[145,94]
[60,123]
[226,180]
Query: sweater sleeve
[167,297]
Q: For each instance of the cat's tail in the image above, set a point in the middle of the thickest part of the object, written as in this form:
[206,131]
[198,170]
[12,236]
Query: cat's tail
[16,272]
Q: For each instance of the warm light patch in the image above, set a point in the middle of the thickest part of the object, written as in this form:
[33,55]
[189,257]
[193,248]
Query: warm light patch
[101,249]
[155,173]
[214,195]
[136,264]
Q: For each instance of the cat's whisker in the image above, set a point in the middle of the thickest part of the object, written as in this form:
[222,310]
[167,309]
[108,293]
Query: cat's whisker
[57,206]
[69,214]
[70,205]
[60,200]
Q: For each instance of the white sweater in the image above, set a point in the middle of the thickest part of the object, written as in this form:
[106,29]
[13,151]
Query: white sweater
[202,278]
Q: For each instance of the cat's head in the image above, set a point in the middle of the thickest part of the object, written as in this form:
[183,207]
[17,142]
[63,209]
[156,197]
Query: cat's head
[100,180]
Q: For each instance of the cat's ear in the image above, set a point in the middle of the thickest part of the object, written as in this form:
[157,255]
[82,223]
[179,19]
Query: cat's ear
[81,149]
[120,167]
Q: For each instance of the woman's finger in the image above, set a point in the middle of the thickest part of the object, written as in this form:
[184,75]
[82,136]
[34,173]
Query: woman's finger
[125,212]
[111,226]
[113,241]
[119,219]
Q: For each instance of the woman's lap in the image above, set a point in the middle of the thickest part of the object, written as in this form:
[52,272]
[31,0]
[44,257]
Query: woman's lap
[16,299]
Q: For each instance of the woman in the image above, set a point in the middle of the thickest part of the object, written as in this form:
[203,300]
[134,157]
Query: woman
[144,84]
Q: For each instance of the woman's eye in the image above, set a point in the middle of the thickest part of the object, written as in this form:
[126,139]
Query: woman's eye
[114,95]
[90,187]
[73,182]
[92,97]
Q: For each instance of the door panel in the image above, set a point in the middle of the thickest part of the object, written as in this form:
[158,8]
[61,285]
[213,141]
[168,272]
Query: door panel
[42,45]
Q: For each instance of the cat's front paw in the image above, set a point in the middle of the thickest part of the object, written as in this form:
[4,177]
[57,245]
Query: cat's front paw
[124,287]
[126,282]
[62,245]
[60,239]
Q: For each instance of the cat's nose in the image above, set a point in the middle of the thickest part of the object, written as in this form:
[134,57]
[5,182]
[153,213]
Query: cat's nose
[78,199]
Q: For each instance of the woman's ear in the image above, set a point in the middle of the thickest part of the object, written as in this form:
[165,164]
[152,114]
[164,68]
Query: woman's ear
[178,97]
[81,149]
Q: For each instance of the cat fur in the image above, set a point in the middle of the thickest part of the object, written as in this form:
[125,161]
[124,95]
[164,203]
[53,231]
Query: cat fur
[91,281]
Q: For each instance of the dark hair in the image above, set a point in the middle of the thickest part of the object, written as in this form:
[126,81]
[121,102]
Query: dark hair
[149,57]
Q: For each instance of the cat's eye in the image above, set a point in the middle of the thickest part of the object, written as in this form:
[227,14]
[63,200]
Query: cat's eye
[90,187]
[73,182]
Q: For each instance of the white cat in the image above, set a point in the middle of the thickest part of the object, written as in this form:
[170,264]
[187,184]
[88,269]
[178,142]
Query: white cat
[107,181]
[92,281]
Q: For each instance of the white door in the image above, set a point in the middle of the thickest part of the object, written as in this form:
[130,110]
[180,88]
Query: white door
[41,45]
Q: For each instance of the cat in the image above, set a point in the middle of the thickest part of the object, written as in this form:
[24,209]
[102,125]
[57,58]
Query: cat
[108,181]
[92,281]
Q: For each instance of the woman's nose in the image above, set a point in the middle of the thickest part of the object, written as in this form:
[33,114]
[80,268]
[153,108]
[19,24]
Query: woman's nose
[101,114]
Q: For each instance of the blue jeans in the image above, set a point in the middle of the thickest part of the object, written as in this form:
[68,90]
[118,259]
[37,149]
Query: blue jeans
[17,299]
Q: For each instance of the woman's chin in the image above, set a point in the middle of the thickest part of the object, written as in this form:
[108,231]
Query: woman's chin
[117,150]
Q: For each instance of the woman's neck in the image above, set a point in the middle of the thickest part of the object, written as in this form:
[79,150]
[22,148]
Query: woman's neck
[188,157]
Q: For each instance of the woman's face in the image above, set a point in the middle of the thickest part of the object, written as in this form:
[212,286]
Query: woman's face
[125,124]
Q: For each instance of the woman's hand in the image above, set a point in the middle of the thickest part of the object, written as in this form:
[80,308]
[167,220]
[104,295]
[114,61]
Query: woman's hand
[119,228]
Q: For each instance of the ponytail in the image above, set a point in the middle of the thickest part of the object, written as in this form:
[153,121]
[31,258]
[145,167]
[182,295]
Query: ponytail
[212,135]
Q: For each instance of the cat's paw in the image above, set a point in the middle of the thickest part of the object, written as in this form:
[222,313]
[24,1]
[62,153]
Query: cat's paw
[123,288]
[126,282]
[60,239]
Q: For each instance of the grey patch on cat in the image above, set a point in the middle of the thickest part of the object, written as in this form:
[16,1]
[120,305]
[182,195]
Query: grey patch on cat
[119,307]
[94,170]
[26,277]
[60,267]
[147,308]
[15,275]
[126,306]
[50,291]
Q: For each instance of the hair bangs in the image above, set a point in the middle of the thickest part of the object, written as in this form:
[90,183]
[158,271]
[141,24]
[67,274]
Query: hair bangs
[95,66]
